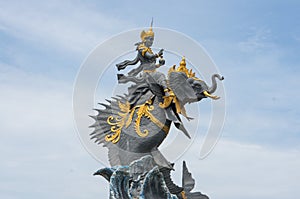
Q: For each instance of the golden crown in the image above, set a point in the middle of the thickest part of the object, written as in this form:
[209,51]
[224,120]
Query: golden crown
[147,33]
[182,68]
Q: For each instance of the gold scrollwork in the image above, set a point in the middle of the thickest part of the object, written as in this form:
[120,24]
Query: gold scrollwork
[144,110]
[183,195]
[125,118]
[117,123]
[171,98]
[140,113]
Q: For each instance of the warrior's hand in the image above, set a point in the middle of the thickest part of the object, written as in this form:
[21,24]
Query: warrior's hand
[160,53]
[161,62]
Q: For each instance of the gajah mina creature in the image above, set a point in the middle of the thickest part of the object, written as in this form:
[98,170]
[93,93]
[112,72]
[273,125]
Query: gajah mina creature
[132,126]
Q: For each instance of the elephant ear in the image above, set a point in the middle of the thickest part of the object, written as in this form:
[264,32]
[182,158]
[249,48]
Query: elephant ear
[181,87]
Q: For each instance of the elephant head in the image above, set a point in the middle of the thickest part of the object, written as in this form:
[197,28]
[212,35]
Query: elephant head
[188,88]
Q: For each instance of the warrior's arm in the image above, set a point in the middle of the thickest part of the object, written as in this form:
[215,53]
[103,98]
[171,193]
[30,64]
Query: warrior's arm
[151,55]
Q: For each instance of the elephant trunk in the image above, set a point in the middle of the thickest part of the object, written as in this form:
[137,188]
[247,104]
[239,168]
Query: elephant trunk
[213,87]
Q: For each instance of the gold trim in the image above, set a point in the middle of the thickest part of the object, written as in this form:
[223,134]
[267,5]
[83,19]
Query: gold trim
[145,49]
[125,117]
[182,68]
[144,110]
[183,195]
[149,71]
[171,98]
[117,123]
[148,33]
[140,113]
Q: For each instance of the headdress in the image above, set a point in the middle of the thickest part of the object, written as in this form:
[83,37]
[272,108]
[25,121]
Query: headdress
[182,68]
[147,33]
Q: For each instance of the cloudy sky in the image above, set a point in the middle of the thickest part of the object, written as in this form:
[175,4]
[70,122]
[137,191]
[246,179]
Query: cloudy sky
[255,45]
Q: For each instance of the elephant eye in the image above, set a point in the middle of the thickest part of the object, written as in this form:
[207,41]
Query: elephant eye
[196,85]
[191,81]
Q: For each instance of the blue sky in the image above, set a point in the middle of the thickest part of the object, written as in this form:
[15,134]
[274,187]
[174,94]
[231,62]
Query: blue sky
[255,45]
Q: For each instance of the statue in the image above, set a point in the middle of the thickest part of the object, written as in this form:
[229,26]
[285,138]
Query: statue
[132,126]
[147,60]
[145,56]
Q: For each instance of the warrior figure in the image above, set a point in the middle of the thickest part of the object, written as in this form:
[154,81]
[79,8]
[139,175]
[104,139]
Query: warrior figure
[147,60]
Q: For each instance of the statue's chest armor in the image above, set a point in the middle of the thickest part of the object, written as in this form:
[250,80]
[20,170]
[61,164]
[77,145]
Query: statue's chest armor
[145,60]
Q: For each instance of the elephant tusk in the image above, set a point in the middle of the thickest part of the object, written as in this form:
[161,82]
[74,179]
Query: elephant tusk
[211,96]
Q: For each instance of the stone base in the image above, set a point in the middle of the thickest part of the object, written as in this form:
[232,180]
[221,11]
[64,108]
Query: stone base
[143,179]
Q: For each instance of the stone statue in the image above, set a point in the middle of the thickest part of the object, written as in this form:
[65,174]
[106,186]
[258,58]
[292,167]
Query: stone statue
[132,126]
[147,60]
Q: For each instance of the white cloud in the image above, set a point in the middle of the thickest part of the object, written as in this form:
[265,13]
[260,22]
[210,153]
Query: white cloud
[258,39]
[237,170]
[262,89]
[41,155]
[31,100]
[60,24]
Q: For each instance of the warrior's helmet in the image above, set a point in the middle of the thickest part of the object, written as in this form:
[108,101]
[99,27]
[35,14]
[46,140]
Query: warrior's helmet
[148,33]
